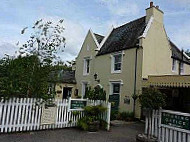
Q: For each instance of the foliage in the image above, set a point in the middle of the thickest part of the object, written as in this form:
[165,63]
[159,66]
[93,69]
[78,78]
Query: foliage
[152,98]
[126,116]
[17,80]
[114,115]
[27,75]
[92,114]
[95,94]
[45,41]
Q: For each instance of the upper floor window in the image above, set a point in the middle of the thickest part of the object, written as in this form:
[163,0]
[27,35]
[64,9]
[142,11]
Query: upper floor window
[87,47]
[116,63]
[86,70]
[181,68]
[174,65]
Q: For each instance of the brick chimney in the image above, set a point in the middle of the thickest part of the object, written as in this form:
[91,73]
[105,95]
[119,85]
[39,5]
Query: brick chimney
[155,12]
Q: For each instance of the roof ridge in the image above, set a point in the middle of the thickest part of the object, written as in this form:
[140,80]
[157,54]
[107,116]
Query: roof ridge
[130,22]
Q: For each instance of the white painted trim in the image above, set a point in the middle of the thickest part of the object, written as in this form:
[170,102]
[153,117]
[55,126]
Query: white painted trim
[111,86]
[105,38]
[112,62]
[186,55]
[116,81]
[147,28]
[94,38]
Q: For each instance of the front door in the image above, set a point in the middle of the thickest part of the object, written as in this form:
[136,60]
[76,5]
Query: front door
[67,91]
[114,97]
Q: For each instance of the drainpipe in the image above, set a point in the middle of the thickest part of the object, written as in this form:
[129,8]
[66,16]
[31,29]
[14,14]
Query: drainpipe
[135,80]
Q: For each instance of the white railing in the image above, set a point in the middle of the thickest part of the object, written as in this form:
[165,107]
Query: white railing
[25,115]
[166,133]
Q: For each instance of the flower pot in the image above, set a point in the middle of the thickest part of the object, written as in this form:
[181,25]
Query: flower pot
[93,126]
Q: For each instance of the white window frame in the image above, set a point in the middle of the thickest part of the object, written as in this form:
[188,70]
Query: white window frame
[84,85]
[88,47]
[113,62]
[181,68]
[85,66]
[111,86]
[174,65]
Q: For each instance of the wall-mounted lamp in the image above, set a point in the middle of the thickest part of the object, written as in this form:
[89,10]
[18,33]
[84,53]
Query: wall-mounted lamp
[95,77]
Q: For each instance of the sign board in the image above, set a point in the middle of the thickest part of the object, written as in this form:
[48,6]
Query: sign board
[175,120]
[48,115]
[77,104]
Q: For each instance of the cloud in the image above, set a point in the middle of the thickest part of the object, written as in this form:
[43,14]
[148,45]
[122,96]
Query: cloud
[7,48]
[119,8]
[181,36]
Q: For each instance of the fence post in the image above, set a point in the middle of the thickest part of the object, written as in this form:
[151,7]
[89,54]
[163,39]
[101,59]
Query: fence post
[159,125]
[108,115]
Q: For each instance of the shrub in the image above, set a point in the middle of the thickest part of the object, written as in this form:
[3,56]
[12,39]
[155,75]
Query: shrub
[92,115]
[152,98]
[126,116]
[95,94]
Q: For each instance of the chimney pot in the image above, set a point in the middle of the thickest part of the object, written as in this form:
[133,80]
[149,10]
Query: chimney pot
[151,4]
[157,6]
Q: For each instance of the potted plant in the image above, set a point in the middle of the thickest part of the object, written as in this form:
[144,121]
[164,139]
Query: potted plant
[152,99]
[92,120]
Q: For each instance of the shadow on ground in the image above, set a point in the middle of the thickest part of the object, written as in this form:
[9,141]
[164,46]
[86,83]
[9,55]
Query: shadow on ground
[118,133]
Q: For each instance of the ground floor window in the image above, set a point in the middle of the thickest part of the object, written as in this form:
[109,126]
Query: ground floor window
[115,89]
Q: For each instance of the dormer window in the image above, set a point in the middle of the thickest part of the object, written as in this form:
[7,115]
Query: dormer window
[174,65]
[116,63]
[86,69]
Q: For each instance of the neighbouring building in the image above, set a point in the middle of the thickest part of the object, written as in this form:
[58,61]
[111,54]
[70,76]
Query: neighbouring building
[129,58]
[63,83]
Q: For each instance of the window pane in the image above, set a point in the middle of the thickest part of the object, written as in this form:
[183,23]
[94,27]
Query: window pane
[117,58]
[116,88]
[87,66]
[117,66]
[174,65]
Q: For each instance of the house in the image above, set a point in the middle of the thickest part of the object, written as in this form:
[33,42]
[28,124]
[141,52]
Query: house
[63,83]
[124,60]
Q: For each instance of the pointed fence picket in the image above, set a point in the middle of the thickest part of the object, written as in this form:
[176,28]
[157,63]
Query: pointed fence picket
[165,133]
[23,114]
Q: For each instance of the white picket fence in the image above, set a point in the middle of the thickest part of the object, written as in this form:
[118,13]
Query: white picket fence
[23,114]
[166,133]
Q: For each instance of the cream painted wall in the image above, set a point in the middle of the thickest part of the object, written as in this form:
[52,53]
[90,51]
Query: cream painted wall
[59,87]
[157,53]
[80,62]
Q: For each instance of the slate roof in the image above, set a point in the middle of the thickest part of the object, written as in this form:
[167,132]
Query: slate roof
[62,77]
[124,37]
[177,54]
[99,37]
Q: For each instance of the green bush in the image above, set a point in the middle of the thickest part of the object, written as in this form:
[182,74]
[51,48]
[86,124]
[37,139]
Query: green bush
[91,115]
[95,94]
[152,98]
[114,115]
[126,116]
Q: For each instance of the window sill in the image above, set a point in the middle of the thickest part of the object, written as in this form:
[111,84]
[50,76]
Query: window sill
[116,72]
[86,74]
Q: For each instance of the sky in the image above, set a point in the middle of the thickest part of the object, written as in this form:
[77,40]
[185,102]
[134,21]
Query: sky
[81,15]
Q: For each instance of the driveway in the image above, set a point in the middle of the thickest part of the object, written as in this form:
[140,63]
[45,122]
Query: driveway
[118,133]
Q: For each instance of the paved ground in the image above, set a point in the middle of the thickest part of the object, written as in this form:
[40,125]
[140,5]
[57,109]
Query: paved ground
[118,133]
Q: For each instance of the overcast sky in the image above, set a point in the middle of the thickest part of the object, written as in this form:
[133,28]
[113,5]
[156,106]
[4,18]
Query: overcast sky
[81,15]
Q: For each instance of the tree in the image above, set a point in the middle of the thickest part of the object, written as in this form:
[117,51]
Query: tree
[45,40]
[27,75]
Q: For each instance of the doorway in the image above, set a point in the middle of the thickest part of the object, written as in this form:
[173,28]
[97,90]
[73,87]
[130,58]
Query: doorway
[67,91]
